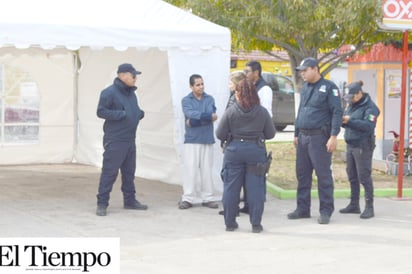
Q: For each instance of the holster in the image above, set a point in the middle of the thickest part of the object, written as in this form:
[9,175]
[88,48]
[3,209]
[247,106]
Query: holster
[258,169]
[228,139]
[261,169]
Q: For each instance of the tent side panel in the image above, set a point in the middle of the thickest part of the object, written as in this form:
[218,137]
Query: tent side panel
[50,74]
[156,151]
[213,66]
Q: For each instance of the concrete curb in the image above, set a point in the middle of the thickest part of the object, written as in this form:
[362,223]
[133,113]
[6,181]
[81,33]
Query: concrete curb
[338,193]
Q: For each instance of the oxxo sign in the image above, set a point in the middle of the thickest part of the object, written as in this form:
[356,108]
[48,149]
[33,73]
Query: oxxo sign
[397,14]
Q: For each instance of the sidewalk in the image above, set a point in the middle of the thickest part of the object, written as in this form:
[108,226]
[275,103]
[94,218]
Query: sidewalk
[59,201]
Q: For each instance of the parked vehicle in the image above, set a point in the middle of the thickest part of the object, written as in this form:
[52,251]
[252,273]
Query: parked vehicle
[283,104]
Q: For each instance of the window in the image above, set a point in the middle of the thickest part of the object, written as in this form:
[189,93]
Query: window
[19,107]
[285,85]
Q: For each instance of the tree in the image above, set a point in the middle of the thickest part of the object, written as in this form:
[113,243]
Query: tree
[303,28]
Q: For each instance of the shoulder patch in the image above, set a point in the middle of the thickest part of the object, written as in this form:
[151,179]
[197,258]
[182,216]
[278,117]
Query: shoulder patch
[372,118]
[335,92]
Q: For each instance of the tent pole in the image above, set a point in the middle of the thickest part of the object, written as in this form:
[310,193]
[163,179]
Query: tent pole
[76,67]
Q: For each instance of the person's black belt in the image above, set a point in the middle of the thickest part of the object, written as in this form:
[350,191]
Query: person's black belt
[247,139]
[316,131]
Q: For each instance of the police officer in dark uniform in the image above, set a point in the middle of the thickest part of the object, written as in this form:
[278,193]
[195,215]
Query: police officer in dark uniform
[316,128]
[243,128]
[119,108]
[253,71]
[359,121]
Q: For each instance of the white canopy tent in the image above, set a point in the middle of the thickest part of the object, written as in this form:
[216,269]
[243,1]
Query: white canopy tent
[69,51]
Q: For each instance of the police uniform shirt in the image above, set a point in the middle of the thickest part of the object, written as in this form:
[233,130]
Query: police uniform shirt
[361,125]
[320,106]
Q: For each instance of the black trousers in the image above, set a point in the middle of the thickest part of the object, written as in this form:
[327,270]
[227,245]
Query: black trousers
[359,170]
[118,155]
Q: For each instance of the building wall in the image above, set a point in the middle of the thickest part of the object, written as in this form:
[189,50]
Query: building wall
[377,66]
[277,67]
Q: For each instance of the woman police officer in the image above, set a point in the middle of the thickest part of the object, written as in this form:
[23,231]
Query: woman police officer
[243,128]
[359,121]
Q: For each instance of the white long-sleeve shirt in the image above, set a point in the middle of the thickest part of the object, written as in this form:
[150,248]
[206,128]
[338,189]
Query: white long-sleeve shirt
[266,96]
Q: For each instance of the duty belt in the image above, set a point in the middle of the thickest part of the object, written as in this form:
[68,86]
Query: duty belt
[257,140]
[316,131]
[248,139]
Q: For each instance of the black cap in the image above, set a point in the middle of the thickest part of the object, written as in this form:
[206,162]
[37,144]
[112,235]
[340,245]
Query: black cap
[128,68]
[306,63]
[352,89]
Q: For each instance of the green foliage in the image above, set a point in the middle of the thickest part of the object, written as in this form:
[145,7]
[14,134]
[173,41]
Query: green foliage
[301,27]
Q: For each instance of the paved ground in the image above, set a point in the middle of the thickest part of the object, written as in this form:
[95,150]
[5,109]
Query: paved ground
[59,201]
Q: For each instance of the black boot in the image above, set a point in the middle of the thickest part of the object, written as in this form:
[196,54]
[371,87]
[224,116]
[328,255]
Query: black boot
[368,212]
[352,207]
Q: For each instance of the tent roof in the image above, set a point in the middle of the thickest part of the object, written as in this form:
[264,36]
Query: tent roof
[97,24]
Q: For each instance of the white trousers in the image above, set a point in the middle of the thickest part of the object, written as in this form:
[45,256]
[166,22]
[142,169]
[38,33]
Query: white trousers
[197,176]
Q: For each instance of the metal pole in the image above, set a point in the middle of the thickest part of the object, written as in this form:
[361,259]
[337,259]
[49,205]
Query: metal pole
[405,54]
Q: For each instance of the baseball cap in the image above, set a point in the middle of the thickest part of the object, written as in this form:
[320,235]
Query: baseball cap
[128,68]
[306,63]
[352,89]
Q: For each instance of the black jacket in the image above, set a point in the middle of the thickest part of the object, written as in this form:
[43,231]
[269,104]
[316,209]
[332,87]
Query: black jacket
[238,122]
[361,126]
[119,107]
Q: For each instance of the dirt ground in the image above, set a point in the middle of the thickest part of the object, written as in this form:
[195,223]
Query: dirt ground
[64,176]
[282,171]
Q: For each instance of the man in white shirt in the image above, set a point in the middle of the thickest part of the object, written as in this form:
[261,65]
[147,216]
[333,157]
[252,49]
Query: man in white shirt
[253,71]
